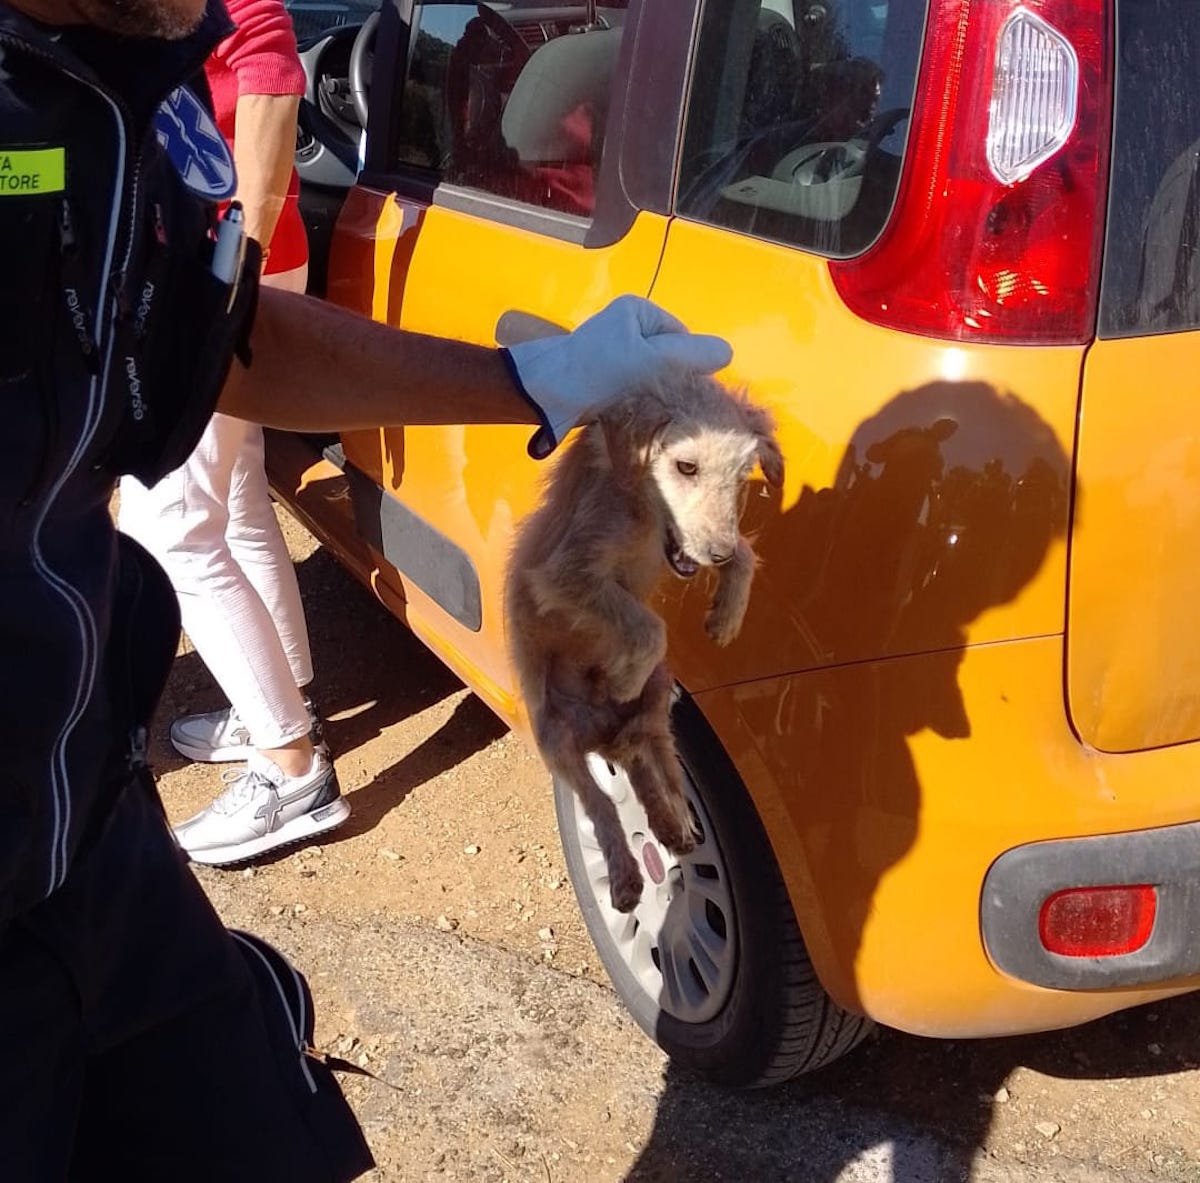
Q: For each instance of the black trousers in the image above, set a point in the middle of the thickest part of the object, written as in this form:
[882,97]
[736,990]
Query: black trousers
[142,1041]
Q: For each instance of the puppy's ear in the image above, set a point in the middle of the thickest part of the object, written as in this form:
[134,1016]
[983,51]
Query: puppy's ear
[630,431]
[770,457]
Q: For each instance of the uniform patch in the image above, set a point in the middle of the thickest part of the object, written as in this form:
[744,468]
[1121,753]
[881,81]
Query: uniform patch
[195,145]
[32,170]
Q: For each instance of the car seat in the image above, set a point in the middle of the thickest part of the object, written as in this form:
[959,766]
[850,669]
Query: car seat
[553,122]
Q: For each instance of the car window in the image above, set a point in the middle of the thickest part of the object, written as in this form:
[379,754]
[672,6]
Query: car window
[1151,278]
[510,99]
[797,118]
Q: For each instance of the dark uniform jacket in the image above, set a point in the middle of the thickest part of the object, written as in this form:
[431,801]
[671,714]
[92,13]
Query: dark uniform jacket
[114,341]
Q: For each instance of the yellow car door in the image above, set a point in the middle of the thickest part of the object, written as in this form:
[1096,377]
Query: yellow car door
[508,169]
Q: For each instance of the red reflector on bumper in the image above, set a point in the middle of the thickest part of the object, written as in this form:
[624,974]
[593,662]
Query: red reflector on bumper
[1098,921]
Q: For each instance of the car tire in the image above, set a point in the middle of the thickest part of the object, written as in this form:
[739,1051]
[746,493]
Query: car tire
[742,1005]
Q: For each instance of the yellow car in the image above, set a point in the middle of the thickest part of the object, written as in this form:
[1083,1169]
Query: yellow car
[948,776]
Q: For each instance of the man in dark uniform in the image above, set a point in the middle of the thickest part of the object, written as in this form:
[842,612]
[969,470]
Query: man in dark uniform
[139,1040]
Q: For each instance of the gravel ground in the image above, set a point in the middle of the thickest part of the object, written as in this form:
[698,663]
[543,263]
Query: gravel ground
[448,958]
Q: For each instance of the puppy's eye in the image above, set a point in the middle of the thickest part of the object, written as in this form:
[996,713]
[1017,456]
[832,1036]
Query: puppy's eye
[686,468]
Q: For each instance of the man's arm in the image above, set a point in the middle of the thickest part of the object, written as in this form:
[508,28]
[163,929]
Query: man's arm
[264,144]
[317,367]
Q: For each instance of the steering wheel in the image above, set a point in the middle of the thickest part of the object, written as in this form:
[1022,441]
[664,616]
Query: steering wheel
[818,164]
[503,32]
[840,160]
[880,127]
[362,53]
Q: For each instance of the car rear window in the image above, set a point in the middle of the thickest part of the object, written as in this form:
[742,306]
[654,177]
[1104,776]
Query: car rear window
[1151,279]
[798,116]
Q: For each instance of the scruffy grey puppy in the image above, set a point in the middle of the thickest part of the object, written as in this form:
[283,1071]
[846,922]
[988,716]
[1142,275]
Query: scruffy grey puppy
[655,485]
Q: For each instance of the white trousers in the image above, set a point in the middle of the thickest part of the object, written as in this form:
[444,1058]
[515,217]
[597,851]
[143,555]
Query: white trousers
[211,525]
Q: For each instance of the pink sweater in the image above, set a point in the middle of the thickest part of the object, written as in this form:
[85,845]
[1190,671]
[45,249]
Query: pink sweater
[260,57]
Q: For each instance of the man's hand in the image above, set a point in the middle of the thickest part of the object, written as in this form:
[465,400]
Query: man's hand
[629,344]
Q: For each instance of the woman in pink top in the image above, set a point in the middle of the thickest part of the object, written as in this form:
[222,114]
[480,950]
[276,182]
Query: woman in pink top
[256,81]
[211,524]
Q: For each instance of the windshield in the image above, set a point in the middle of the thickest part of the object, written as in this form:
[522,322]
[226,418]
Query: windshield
[311,18]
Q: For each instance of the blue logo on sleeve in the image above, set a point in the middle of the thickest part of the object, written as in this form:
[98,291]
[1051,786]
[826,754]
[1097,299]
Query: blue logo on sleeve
[195,145]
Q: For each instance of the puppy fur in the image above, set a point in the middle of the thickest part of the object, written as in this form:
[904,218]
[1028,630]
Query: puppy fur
[656,484]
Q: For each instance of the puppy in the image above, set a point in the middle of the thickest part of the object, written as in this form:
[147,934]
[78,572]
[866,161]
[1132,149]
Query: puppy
[655,484]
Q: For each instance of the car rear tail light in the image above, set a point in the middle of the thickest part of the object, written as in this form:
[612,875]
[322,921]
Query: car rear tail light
[1035,93]
[1098,921]
[997,230]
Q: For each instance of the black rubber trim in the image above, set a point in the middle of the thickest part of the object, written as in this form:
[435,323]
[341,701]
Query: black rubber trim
[438,566]
[507,212]
[1022,879]
[391,50]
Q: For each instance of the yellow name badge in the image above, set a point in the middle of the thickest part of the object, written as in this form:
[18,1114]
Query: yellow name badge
[32,170]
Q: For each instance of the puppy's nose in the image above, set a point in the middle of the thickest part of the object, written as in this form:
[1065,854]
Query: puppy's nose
[720,557]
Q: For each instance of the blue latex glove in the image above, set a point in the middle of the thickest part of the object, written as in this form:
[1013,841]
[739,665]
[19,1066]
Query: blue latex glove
[572,377]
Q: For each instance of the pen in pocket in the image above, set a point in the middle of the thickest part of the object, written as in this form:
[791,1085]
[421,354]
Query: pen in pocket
[230,249]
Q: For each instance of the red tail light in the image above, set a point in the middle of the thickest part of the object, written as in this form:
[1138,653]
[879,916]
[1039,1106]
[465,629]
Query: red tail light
[999,218]
[1098,921]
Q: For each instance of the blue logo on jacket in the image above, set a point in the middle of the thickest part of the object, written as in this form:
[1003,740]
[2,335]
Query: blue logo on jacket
[197,149]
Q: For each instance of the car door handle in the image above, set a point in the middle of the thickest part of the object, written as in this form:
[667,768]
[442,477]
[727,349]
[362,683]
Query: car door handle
[514,328]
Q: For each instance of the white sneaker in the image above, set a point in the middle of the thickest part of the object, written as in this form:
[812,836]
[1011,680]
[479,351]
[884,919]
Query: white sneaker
[219,737]
[212,738]
[264,808]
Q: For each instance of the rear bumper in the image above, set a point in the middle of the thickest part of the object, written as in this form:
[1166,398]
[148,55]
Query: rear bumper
[1020,881]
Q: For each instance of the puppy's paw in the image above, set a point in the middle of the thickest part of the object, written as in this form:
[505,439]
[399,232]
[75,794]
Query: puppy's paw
[681,842]
[724,621]
[625,886]
[689,834]
[675,828]
[732,597]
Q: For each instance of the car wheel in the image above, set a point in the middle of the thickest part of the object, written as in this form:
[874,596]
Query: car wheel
[711,963]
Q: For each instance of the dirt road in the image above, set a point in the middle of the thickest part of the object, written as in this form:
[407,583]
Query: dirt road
[447,956]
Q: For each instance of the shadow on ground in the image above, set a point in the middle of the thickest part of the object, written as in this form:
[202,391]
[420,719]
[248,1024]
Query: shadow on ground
[875,1108]
[371,672]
